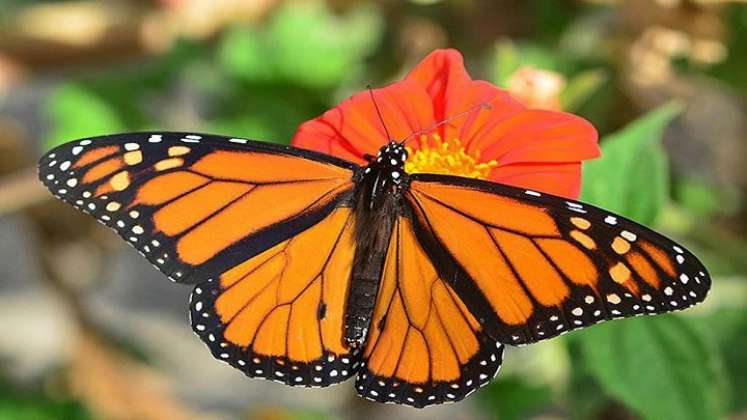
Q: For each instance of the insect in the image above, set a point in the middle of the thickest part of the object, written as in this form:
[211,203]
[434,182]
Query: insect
[309,269]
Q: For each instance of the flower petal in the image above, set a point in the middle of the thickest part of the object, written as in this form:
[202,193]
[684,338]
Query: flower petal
[321,135]
[353,128]
[442,75]
[501,106]
[536,136]
[561,179]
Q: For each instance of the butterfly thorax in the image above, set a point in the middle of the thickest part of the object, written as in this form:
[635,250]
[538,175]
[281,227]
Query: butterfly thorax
[384,175]
[377,206]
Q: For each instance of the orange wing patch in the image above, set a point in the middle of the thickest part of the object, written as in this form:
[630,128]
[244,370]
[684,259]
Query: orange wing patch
[574,263]
[644,269]
[253,211]
[514,215]
[93,155]
[279,314]
[189,210]
[168,187]
[424,346]
[541,279]
[263,168]
[660,257]
[485,264]
[103,169]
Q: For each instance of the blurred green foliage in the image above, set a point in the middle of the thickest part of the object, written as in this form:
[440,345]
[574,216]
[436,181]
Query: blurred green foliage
[302,44]
[726,328]
[732,70]
[515,398]
[76,111]
[660,367]
[34,404]
[632,176]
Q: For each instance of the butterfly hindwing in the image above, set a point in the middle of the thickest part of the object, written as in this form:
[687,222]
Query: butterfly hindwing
[279,315]
[195,205]
[534,266]
[424,346]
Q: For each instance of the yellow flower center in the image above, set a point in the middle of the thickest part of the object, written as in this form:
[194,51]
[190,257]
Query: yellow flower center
[447,157]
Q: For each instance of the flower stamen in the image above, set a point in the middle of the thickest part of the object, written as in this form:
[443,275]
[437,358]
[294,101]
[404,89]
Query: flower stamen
[448,157]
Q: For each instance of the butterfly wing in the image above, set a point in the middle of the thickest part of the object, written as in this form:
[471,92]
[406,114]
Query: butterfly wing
[424,346]
[196,205]
[532,266]
[279,315]
[265,230]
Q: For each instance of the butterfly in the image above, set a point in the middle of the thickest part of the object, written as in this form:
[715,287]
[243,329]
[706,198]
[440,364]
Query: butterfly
[309,269]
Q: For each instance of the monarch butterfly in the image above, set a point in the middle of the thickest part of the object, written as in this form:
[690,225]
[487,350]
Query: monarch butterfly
[309,269]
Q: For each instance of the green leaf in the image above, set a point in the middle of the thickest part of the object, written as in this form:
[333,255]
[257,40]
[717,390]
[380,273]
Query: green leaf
[632,176]
[703,199]
[263,112]
[733,70]
[245,54]
[316,47]
[580,88]
[584,395]
[20,403]
[304,43]
[662,368]
[727,325]
[76,112]
[512,398]
[41,409]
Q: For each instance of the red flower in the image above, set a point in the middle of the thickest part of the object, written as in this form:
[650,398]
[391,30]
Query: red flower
[505,142]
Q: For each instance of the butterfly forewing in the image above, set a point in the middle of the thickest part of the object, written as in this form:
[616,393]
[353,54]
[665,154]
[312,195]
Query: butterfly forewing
[194,204]
[533,266]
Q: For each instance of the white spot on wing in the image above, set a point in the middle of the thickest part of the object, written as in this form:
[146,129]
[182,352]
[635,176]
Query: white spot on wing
[629,235]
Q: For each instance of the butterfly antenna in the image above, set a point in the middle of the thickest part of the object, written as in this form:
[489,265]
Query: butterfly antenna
[378,111]
[482,105]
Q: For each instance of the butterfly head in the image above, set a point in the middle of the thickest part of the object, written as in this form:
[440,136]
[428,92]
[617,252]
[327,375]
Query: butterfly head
[385,174]
[393,153]
[389,161]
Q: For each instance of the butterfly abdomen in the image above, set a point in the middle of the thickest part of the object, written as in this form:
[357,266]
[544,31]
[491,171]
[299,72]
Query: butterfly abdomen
[373,230]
